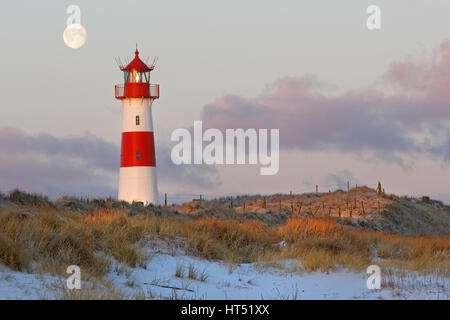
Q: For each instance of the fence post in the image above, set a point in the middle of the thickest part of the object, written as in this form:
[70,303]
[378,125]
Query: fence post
[362,206]
[339,212]
[165,199]
[265,203]
[317,188]
[292,206]
[244,206]
[231,202]
[315,212]
[280,204]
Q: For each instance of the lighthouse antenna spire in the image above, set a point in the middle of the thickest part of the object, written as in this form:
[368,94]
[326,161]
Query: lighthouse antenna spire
[155,59]
[117,62]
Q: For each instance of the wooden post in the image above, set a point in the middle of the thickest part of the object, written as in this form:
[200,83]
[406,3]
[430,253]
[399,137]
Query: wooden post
[323,207]
[165,200]
[300,208]
[379,208]
[339,210]
[231,202]
[280,204]
[317,188]
[292,206]
[362,206]
[315,212]
[348,186]
[244,206]
[329,211]
[200,197]
[265,203]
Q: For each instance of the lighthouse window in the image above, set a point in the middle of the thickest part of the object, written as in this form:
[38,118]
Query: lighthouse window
[125,75]
[138,155]
[137,120]
[135,76]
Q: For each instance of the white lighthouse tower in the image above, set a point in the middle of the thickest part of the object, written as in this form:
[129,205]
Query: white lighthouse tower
[137,179]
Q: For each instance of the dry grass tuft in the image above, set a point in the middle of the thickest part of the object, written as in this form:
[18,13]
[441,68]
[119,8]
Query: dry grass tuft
[55,239]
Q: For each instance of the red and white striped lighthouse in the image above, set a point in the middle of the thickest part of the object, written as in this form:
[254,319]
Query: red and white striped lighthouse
[137,179]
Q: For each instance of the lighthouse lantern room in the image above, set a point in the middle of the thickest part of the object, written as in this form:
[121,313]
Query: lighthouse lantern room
[137,178]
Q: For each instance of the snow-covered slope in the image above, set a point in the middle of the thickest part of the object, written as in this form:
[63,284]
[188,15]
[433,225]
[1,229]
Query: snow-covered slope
[24,286]
[217,280]
[256,281]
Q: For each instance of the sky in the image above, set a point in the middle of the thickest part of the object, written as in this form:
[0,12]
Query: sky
[350,103]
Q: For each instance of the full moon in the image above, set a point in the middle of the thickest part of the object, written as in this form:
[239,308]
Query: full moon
[75,36]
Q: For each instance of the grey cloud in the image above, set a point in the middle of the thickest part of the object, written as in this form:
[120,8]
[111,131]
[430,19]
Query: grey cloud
[189,176]
[92,150]
[83,165]
[339,179]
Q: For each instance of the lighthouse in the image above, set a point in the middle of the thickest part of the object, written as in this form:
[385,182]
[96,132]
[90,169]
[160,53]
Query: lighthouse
[137,178]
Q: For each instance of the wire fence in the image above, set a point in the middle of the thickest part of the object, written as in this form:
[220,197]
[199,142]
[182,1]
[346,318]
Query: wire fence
[178,198]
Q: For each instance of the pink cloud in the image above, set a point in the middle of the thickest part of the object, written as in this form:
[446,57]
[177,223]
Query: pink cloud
[430,77]
[355,121]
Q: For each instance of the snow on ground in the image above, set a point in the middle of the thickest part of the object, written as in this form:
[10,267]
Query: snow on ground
[253,281]
[20,286]
[244,281]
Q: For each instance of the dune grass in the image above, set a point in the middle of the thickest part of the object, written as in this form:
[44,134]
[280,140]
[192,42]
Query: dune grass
[42,237]
[49,240]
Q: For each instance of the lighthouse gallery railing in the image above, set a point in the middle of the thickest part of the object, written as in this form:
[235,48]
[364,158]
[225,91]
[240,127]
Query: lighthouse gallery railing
[120,91]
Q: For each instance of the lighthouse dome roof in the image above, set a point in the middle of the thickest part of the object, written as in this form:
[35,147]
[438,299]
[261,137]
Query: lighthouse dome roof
[137,64]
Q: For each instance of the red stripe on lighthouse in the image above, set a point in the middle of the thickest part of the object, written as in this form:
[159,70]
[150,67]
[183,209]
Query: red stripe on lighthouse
[138,149]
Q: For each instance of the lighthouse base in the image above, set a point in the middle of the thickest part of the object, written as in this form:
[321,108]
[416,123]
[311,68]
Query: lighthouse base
[138,184]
